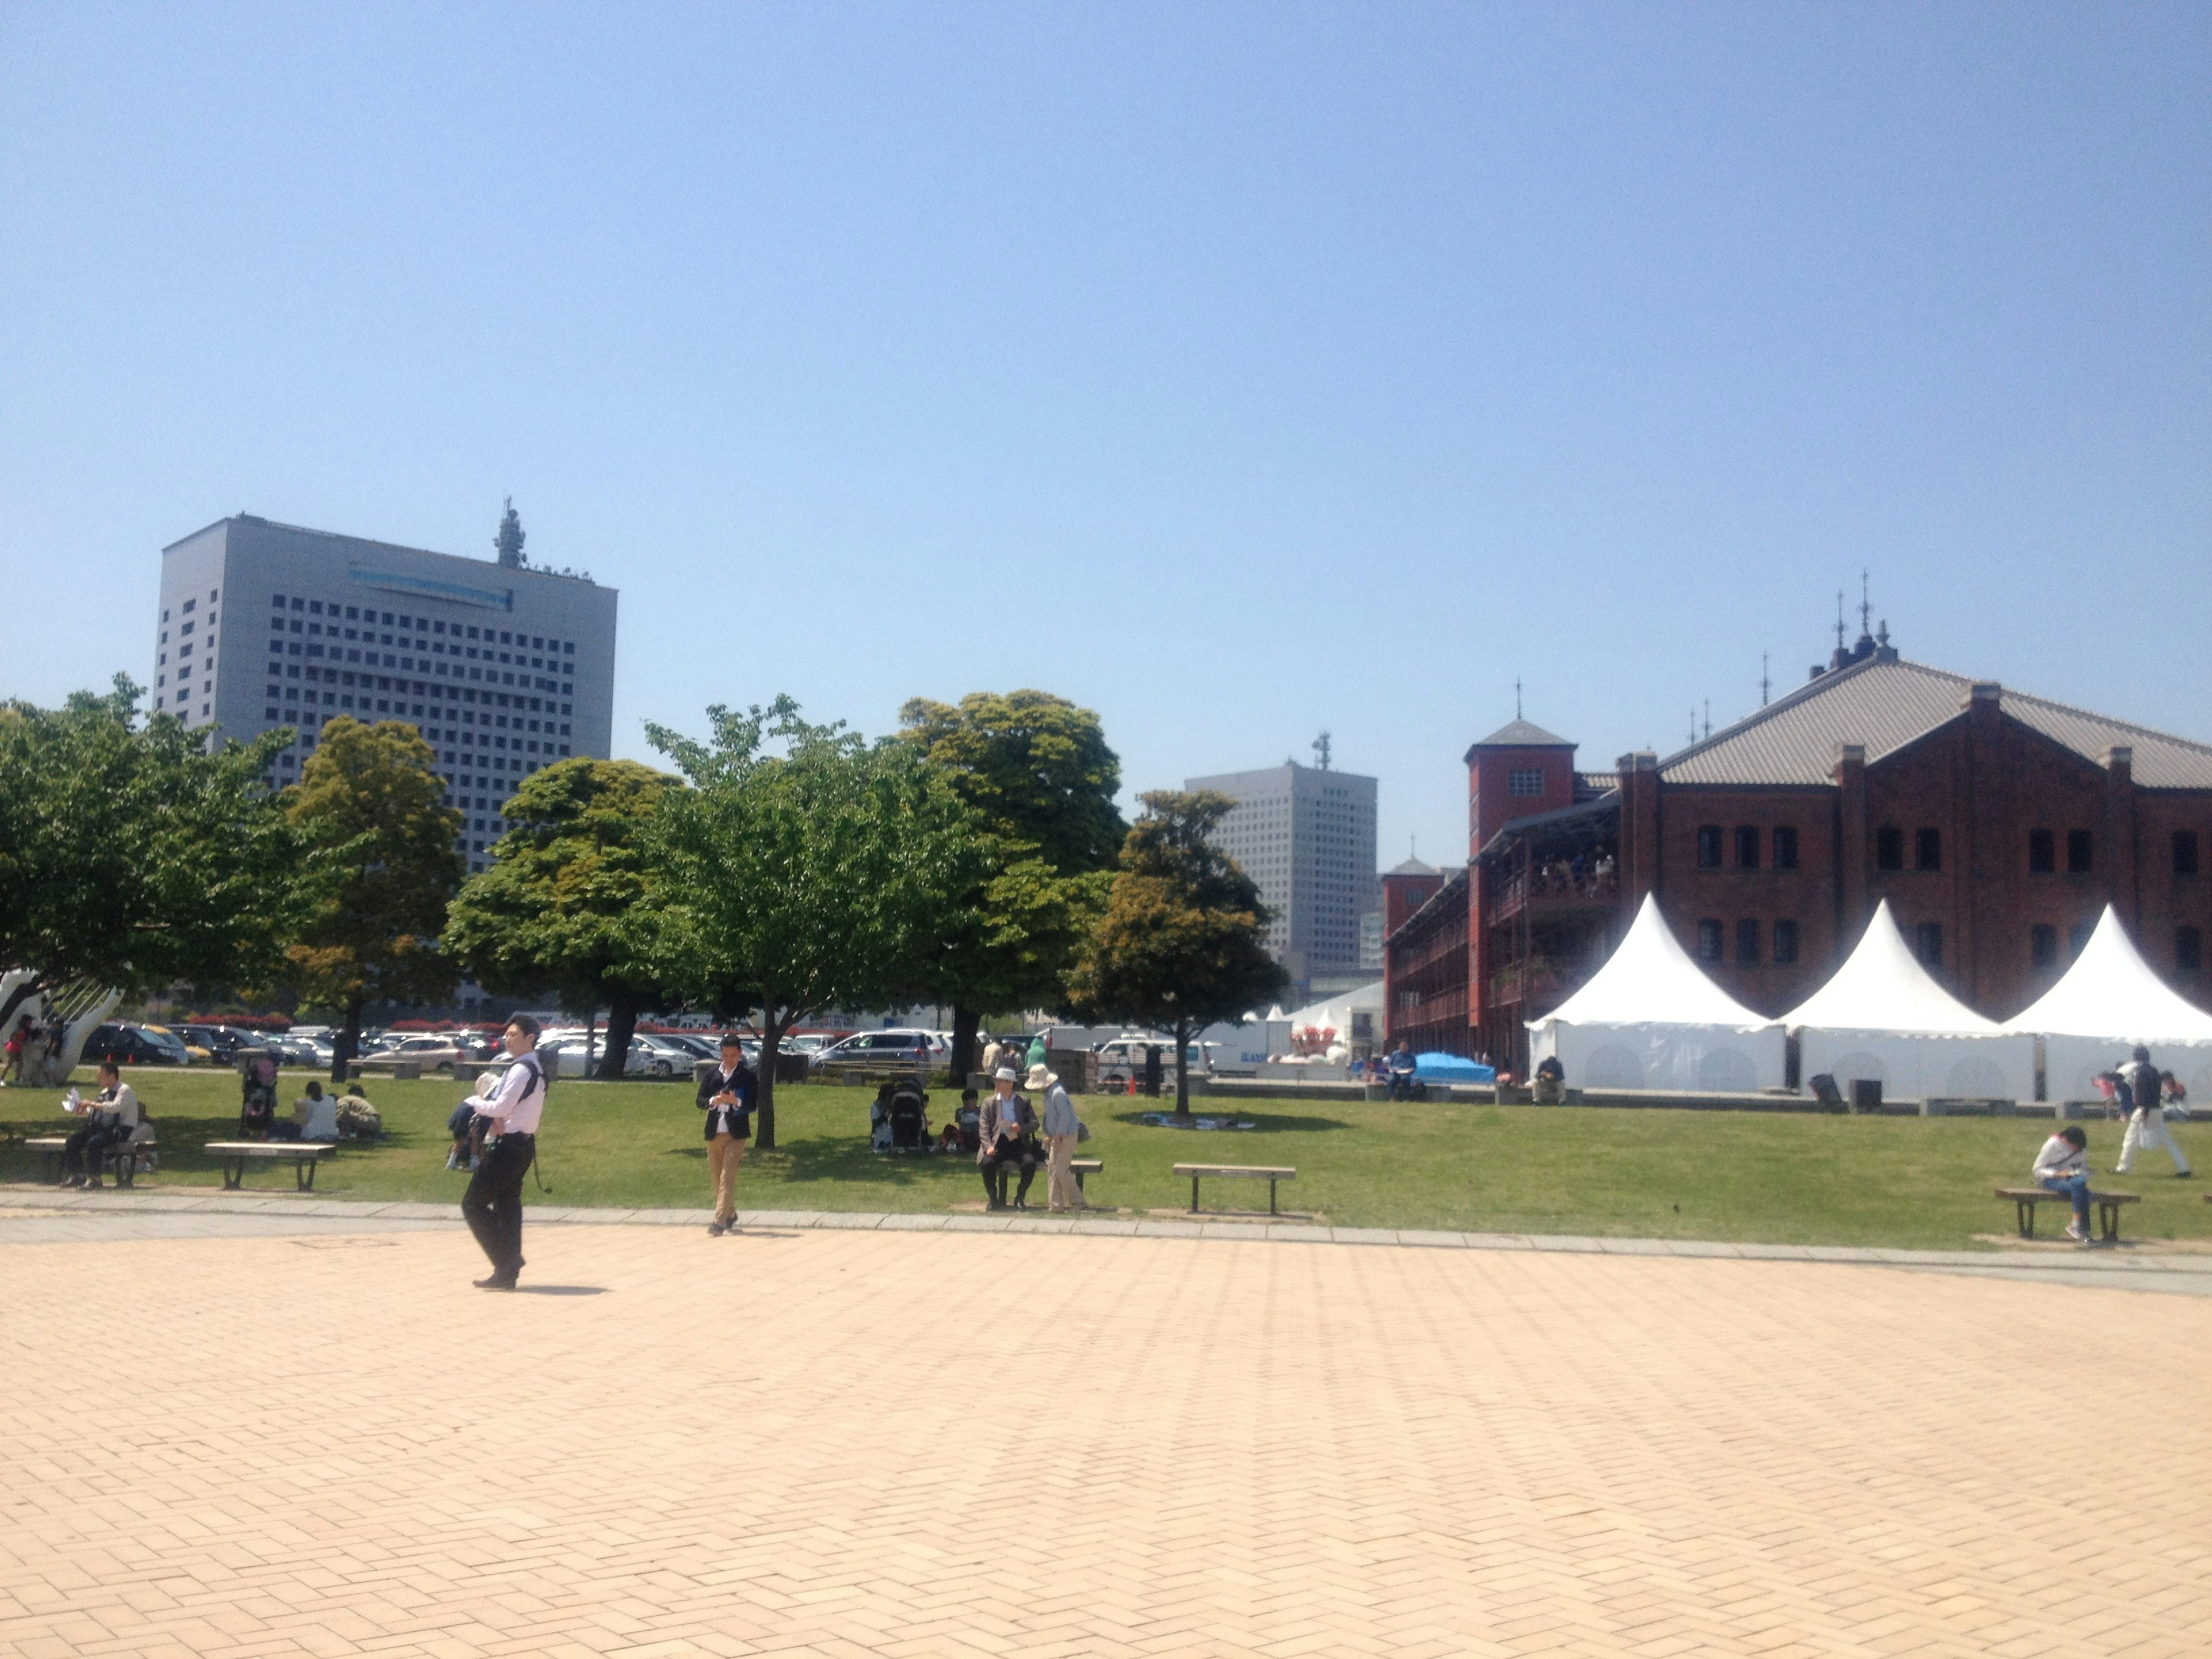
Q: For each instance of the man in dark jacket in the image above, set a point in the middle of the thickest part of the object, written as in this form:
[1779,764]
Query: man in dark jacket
[725,1095]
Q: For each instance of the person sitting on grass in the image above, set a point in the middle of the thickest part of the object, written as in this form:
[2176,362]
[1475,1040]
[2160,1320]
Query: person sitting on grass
[2063,1167]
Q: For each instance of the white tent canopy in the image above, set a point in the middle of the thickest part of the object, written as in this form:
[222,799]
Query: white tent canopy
[2109,1001]
[1652,1019]
[1882,1016]
[1340,1014]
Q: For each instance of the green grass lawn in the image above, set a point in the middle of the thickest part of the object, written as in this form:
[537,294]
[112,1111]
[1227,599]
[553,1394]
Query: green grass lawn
[1778,1179]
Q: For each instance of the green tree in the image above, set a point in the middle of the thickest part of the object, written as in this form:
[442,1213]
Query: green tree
[1180,944]
[369,802]
[795,882]
[561,907]
[1036,769]
[137,856]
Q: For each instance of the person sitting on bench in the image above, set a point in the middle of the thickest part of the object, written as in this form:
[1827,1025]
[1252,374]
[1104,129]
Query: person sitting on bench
[1403,1068]
[114,1118]
[1007,1143]
[2063,1167]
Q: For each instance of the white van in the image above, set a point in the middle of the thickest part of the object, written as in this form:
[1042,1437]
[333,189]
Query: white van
[1117,1061]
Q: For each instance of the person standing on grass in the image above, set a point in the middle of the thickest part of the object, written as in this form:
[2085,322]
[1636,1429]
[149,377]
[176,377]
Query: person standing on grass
[493,1204]
[2146,1129]
[2063,1167]
[1062,1128]
[725,1095]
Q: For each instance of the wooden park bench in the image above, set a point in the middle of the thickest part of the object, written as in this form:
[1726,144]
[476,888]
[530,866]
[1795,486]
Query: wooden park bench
[1236,1172]
[122,1158]
[305,1155]
[2025,1199]
[1091,1166]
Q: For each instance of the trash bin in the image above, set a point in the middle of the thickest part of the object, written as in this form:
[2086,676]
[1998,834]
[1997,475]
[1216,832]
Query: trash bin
[1866,1094]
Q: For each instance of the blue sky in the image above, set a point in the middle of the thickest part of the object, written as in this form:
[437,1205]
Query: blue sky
[1238,371]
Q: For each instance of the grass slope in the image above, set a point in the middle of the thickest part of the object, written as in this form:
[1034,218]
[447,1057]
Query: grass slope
[1774,1179]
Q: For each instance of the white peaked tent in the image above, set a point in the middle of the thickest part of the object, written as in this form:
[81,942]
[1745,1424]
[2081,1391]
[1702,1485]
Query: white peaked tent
[2109,1001]
[1881,1015]
[1652,1019]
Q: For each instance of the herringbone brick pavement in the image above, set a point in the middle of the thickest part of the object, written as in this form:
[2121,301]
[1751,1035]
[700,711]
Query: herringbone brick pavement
[886,1444]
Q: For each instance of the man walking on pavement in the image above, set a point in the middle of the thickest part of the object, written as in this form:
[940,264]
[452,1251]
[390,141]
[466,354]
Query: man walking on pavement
[493,1204]
[2146,1121]
[1061,1131]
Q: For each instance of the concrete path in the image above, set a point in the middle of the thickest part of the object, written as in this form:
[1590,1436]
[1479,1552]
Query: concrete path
[43,1214]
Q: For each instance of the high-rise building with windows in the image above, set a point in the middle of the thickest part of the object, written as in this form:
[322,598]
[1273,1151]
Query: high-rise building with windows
[503,670]
[1306,837]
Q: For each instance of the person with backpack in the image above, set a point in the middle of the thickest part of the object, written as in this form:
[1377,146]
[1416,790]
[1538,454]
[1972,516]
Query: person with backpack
[2146,1087]
[493,1204]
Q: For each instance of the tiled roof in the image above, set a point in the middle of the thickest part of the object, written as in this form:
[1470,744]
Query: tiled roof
[1886,702]
[1523,734]
[1412,867]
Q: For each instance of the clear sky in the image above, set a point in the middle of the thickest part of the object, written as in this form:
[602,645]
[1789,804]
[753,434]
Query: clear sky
[1237,371]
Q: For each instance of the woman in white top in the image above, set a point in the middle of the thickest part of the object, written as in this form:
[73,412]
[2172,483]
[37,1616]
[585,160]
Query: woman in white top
[2063,1166]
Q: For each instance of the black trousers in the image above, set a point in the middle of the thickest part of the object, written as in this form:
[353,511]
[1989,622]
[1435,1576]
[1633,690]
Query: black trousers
[1005,1152]
[82,1153]
[493,1204]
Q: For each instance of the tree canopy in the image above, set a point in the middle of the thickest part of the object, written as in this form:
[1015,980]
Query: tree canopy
[561,908]
[369,801]
[805,879]
[1180,946]
[136,856]
[1037,772]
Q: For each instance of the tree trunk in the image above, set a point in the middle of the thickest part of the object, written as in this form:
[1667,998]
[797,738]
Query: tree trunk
[622,1025]
[772,1030]
[965,1021]
[348,1043]
[1183,1068]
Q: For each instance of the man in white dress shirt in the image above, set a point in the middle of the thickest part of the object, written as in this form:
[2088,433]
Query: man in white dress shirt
[493,1204]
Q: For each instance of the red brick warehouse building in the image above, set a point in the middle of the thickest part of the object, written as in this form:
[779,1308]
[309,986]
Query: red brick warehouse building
[1998,826]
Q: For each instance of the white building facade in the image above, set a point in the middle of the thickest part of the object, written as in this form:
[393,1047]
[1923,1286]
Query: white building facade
[502,670]
[1306,837]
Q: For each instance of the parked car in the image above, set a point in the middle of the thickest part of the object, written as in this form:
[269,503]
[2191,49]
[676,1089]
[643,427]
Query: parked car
[804,1042]
[566,1055]
[664,1058]
[882,1051]
[1121,1058]
[432,1052]
[223,1042]
[194,1053]
[133,1045]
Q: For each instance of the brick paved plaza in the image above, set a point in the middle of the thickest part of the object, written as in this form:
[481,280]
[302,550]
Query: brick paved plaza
[848,1442]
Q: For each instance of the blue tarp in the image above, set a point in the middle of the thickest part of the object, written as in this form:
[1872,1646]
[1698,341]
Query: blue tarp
[1451,1068]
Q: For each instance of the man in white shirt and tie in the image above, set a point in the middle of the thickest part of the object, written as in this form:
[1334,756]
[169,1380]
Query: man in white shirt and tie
[493,1204]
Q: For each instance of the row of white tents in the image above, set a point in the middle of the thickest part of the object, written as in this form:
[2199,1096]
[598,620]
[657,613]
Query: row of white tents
[1652,1019]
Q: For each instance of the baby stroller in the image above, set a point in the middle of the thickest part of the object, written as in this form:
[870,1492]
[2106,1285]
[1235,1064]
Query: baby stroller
[909,1118]
[257,1111]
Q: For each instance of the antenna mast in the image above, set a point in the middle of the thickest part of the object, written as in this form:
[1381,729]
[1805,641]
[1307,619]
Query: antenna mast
[1764,684]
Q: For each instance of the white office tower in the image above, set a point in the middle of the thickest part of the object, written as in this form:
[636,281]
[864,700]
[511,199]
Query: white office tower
[503,670]
[1306,835]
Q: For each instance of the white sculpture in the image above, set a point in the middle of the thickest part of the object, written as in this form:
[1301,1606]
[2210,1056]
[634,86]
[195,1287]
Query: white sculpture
[62,1017]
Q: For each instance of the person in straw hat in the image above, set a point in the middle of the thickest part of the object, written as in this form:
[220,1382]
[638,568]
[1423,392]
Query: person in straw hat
[1006,1141]
[1062,1130]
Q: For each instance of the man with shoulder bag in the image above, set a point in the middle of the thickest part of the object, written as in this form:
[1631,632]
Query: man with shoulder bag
[493,1204]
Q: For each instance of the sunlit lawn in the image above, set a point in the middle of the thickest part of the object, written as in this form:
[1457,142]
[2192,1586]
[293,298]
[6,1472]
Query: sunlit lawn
[1777,1178]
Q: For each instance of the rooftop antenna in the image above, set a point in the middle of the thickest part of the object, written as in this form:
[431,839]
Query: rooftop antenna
[1320,752]
[1709,717]
[1866,610]
[1766,685]
[1839,620]
[1516,696]
[1693,722]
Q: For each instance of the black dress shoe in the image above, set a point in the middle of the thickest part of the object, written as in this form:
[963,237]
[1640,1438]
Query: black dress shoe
[497,1282]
